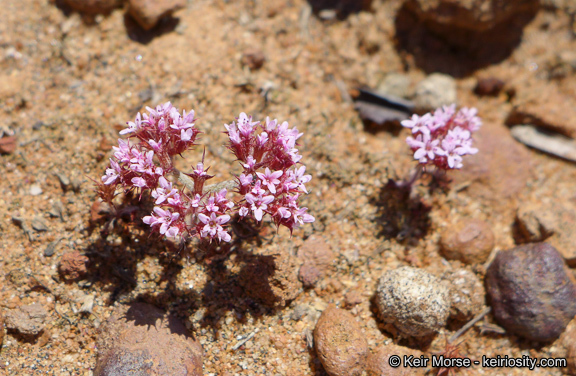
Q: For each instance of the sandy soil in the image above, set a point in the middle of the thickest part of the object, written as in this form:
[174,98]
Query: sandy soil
[67,85]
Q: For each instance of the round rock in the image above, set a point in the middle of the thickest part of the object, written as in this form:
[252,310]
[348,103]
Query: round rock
[415,301]
[469,241]
[435,91]
[532,291]
[141,339]
[73,265]
[339,343]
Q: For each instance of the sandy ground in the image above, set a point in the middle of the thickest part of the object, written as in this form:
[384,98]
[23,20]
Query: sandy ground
[67,85]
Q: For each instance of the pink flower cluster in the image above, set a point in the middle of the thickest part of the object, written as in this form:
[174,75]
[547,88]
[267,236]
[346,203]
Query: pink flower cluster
[442,138]
[270,184]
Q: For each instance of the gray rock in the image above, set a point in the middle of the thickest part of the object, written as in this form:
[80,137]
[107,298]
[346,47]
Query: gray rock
[532,291]
[435,91]
[416,302]
[467,294]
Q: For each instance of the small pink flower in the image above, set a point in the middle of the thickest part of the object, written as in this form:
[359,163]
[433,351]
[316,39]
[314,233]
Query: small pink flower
[213,226]
[133,126]
[245,179]
[270,179]
[259,204]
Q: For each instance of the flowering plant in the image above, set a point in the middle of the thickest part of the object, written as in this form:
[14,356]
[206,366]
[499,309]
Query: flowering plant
[444,137]
[270,184]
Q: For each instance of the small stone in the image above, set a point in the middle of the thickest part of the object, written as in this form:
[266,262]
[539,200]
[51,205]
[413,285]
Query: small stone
[148,12]
[94,6]
[27,320]
[467,294]
[532,291]
[549,220]
[396,84]
[469,241]
[300,311]
[39,224]
[272,279]
[73,265]
[435,91]
[253,58]
[352,298]
[378,364]
[64,180]
[51,248]
[317,257]
[415,301]
[339,342]
[489,86]
[141,339]
[8,144]
[35,190]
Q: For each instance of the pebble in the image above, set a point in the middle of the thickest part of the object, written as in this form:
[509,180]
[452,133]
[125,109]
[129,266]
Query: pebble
[435,91]
[35,190]
[64,181]
[339,342]
[51,248]
[488,86]
[73,265]
[253,58]
[94,6]
[415,301]
[469,241]
[532,291]
[27,320]
[396,84]
[39,224]
[467,294]
[317,257]
[148,12]
[550,220]
[8,144]
[547,142]
[378,364]
[144,340]
[272,279]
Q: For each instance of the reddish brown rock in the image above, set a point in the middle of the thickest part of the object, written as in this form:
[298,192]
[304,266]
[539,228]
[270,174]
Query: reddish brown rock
[543,104]
[253,58]
[27,320]
[377,363]
[148,12]
[73,265]
[1,330]
[339,343]
[317,257]
[8,144]
[532,291]
[141,339]
[272,279]
[499,171]
[469,241]
[94,6]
